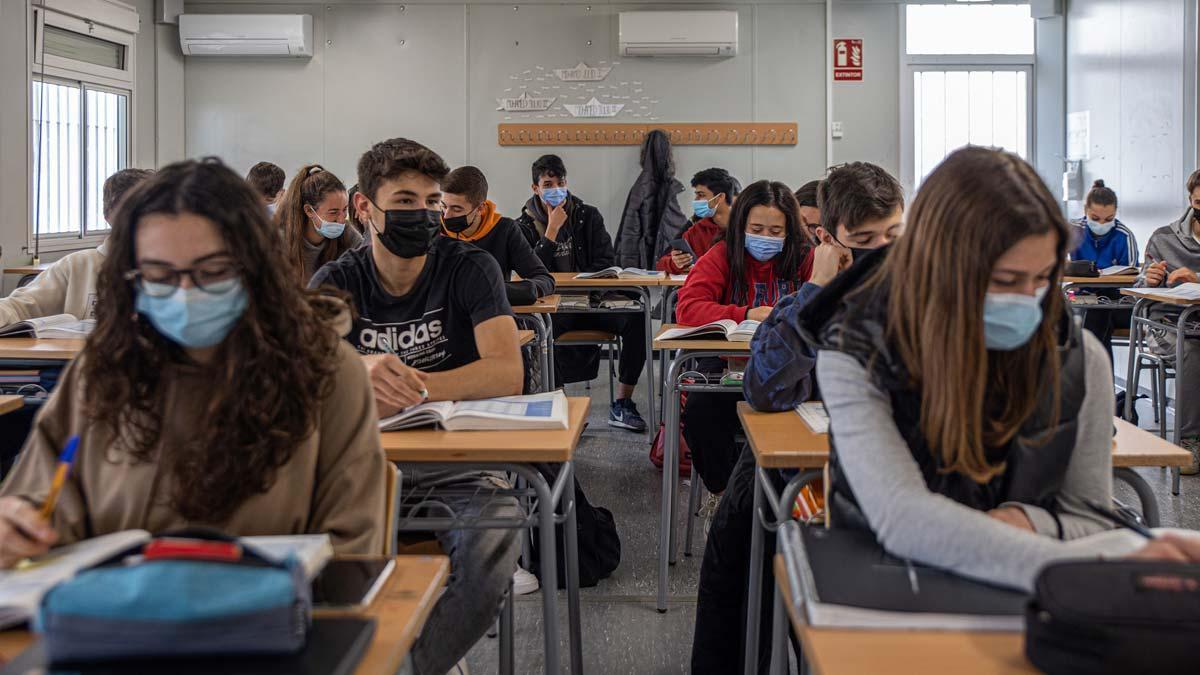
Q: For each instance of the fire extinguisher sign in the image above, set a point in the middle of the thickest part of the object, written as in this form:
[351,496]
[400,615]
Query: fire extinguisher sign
[847,60]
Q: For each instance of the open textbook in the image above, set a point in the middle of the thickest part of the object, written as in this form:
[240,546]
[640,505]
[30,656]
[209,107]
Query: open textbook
[22,588]
[1188,291]
[536,411]
[622,273]
[1119,270]
[57,326]
[725,328]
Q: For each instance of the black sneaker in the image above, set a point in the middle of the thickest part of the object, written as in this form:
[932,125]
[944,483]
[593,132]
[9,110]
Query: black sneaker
[624,415]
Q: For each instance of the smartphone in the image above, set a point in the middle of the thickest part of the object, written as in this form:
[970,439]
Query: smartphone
[680,244]
[351,583]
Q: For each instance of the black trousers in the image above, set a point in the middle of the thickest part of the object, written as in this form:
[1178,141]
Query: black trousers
[718,646]
[579,364]
[1102,323]
[710,423]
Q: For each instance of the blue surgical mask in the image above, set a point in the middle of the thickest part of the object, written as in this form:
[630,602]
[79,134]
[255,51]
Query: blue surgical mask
[327,229]
[1010,319]
[1100,229]
[554,196]
[702,208]
[763,248]
[194,318]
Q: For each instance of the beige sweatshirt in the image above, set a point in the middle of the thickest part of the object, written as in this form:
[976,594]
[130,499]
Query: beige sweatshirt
[66,287]
[333,484]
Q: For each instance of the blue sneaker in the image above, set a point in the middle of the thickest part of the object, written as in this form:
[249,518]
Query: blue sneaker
[624,415]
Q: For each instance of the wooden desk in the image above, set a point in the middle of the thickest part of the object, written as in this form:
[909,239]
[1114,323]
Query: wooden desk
[568,280]
[1148,294]
[546,305]
[11,403]
[1137,447]
[400,611]
[783,440]
[706,343]
[1110,281]
[27,269]
[524,337]
[34,349]
[436,445]
[673,283]
[838,651]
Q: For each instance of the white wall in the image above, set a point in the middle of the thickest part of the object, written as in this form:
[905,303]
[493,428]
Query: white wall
[1131,63]
[869,110]
[440,86]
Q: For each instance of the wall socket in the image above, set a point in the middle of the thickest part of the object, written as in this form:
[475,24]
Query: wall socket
[836,130]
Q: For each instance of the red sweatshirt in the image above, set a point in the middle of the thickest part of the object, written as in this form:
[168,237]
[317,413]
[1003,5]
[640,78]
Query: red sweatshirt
[707,295]
[700,236]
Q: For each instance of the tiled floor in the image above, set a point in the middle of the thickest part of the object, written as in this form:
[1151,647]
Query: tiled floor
[622,632]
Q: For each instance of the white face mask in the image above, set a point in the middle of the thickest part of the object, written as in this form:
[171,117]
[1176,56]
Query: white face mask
[1100,229]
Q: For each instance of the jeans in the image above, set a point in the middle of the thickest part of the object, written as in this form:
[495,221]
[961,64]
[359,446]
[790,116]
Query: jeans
[710,422]
[482,563]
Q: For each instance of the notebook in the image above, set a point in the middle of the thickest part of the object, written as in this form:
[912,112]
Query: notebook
[334,647]
[622,273]
[844,579]
[22,588]
[1188,291]
[535,411]
[620,303]
[814,415]
[1117,270]
[725,328]
[57,326]
[575,302]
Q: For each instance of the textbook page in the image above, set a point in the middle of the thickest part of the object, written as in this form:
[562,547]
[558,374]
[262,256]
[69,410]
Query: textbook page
[535,411]
[1188,291]
[814,415]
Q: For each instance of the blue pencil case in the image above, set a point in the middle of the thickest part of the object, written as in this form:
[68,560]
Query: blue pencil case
[178,596]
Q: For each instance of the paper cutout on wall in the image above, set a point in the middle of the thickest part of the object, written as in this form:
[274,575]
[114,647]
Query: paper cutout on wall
[594,108]
[582,73]
[525,103]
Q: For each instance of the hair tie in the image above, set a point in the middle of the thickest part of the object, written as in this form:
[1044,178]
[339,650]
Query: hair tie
[315,169]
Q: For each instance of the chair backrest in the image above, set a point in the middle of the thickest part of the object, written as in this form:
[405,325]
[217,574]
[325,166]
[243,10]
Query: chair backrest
[392,506]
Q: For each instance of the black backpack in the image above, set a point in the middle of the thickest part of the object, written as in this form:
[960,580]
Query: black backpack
[599,543]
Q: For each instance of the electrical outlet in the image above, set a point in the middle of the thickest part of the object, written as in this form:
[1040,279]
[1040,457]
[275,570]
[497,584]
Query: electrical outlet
[836,130]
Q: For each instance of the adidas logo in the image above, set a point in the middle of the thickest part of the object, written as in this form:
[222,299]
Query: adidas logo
[414,335]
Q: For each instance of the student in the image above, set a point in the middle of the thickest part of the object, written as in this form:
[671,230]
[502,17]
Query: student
[267,180]
[1173,258]
[69,285]
[312,216]
[765,257]
[859,197]
[651,218]
[171,433]
[433,324]
[1106,241]
[807,197]
[971,419]
[470,216]
[569,236]
[715,191]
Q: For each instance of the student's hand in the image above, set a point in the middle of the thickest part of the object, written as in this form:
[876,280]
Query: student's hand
[828,261]
[1014,516]
[1170,547]
[1156,274]
[396,385]
[555,220]
[23,532]
[758,313]
[1182,276]
[682,260]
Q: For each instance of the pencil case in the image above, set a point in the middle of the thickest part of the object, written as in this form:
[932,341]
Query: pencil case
[1114,617]
[177,596]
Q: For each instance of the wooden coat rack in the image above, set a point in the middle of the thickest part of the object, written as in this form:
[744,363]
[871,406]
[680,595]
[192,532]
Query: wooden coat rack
[708,133]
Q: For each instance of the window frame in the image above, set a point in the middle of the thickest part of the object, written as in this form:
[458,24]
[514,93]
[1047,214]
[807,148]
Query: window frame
[914,63]
[86,76]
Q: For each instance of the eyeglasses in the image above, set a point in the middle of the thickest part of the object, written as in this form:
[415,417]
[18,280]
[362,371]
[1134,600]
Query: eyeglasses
[216,277]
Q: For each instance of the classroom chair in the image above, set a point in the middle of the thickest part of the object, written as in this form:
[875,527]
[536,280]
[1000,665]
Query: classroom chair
[391,542]
[1162,370]
[611,344]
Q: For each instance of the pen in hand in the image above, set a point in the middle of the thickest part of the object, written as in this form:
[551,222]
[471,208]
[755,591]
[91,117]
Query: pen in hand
[1120,519]
[60,476]
[386,346]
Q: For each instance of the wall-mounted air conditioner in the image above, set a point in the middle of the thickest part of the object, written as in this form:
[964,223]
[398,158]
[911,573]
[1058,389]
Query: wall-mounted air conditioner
[678,33]
[246,34]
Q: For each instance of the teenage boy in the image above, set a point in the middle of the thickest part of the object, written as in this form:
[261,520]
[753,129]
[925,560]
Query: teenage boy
[715,191]
[267,180]
[861,205]
[472,217]
[433,324]
[69,285]
[569,236]
[807,197]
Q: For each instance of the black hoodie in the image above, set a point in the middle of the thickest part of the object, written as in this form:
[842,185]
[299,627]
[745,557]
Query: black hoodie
[583,245]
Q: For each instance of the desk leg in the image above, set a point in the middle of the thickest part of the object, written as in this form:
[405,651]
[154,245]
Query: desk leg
[507,660]
[543,336]
[779,640]
[670,479]
[1175,471]
[647,316]
[1144,493]
[550,351]
[754,588]
[1135,329]
[549,563]
[571,550]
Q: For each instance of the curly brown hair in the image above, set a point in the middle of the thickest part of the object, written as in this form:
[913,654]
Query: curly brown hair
[269,376]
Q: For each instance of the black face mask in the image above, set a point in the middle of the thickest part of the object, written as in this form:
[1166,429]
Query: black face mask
[458,224]
[409,233]
[855,253]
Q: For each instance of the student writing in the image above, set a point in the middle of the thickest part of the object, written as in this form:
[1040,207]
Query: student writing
[213,391]
[971,419]
[312,216]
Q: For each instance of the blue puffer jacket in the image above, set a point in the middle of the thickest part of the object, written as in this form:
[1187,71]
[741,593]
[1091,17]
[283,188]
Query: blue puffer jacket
[782,365]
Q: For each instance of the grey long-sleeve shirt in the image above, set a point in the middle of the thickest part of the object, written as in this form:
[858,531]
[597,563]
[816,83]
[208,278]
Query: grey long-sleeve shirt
[912,522]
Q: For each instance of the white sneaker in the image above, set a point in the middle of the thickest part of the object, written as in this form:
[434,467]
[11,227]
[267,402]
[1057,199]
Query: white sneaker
[524,582]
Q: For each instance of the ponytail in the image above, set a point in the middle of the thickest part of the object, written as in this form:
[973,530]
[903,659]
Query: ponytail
[309,187]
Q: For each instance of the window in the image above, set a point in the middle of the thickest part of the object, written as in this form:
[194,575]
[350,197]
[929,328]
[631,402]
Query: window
[80,114]
[970,81]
